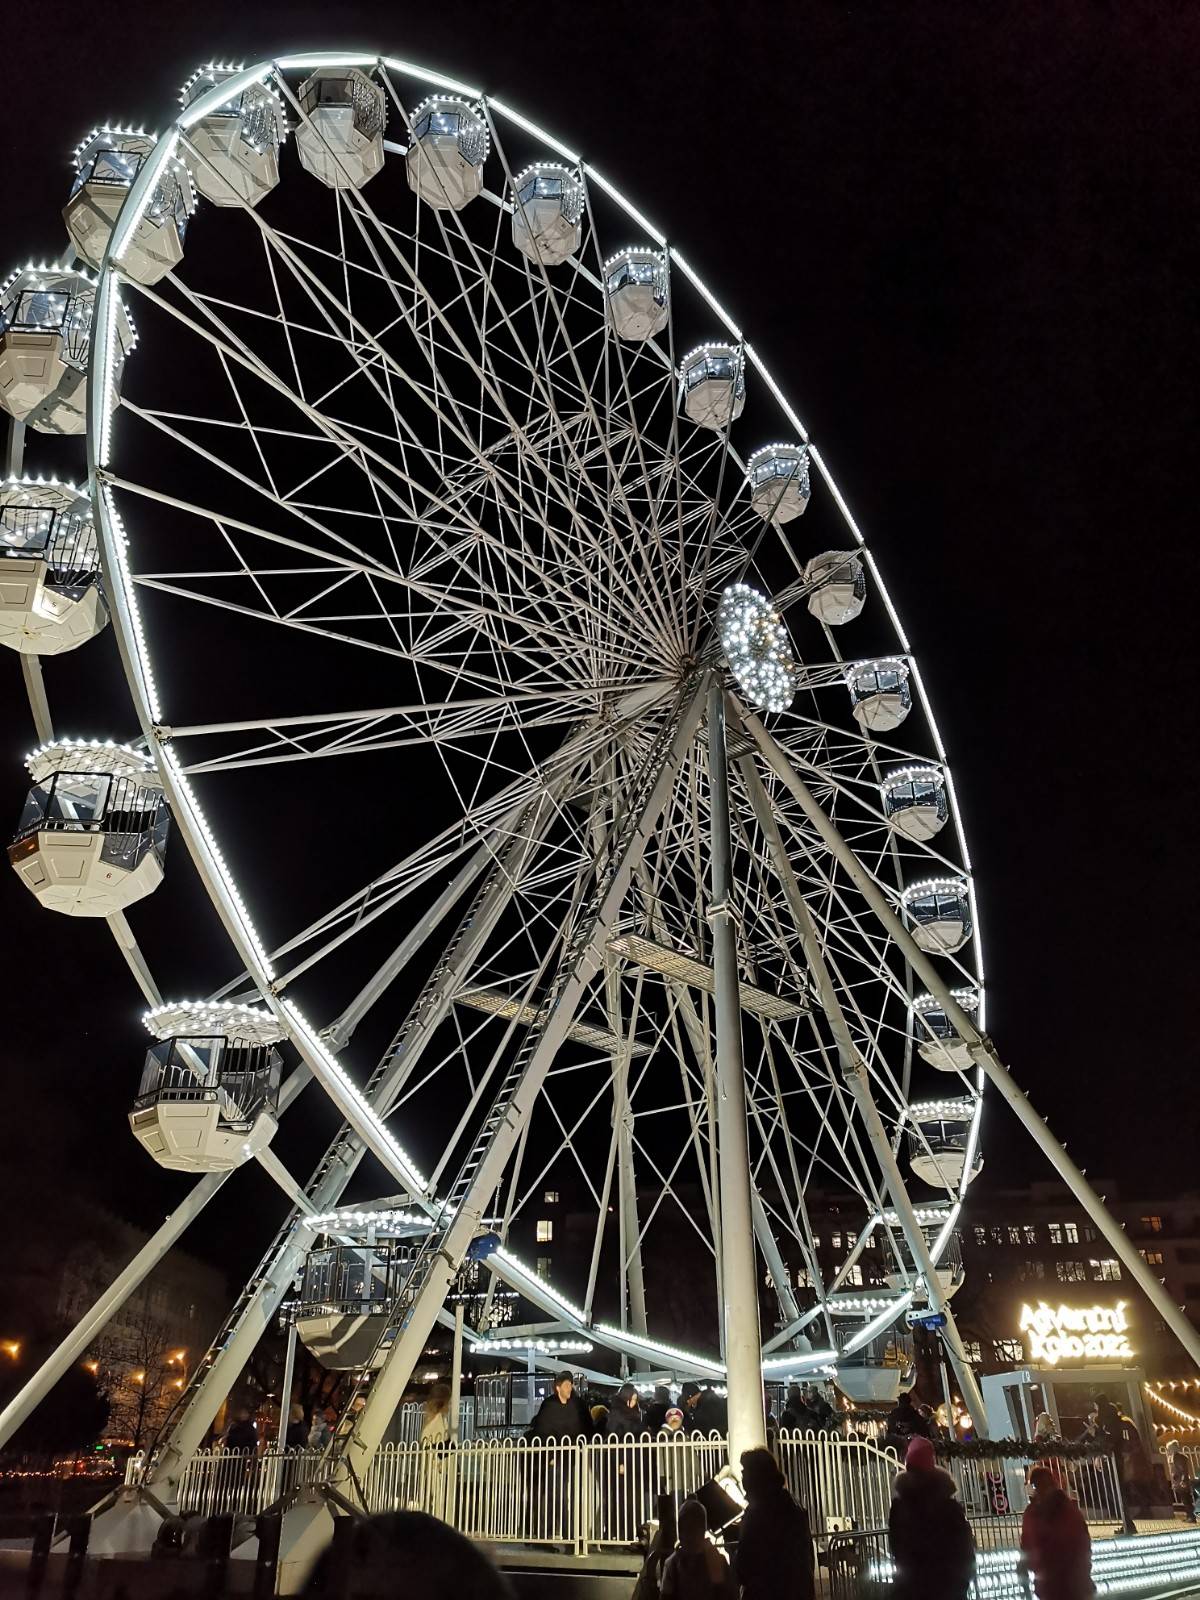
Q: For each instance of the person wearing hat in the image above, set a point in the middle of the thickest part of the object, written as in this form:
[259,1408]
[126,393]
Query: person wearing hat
[702,1409]
[930,1538]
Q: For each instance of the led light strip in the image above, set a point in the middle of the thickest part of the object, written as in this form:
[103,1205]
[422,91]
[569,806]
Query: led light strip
[127,620]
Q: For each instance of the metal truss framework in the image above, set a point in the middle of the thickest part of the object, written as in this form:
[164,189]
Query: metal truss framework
[383,446]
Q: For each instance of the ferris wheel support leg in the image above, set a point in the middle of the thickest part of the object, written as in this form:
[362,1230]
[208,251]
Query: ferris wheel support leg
[739,1276]
[464,1204]
[983,1051]
[857,1080]
[276,1273]
[75,1345]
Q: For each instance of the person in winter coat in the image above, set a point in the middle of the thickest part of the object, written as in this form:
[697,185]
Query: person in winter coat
[655,1413]
[625,1480]
[774,1555]
[241,1434]
[562,1414]
[1055,1544]
[797,1414]
[930,1537]
[323,1424]
[697,1570]
[825,1418]
[297,1434]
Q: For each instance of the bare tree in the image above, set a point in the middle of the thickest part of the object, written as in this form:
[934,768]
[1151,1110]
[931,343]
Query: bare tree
[141,1373]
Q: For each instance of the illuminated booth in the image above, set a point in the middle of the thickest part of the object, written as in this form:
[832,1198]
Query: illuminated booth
[1073,1354]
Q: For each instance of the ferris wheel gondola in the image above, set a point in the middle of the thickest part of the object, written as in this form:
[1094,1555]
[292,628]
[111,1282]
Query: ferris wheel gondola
[474,458]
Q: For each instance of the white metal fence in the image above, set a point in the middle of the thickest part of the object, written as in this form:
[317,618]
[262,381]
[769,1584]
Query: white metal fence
[844,1483]
[994,1492]
[591,1494]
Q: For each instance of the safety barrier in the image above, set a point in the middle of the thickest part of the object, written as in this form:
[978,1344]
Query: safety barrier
[240,1483]
[844,1483]
[995,1491]
[591,1494]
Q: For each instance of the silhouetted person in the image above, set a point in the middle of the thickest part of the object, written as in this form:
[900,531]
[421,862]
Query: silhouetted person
[905,1422]
[774,1555]
[407,1553]
[931,1540]
[296,1436]
[627,1467]
[1055,1543]
[241,1434]
[697,1570]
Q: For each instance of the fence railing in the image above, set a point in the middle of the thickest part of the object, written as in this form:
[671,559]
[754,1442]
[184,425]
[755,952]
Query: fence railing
[239,1483]
[844,1483]
[995,1492]
[591,1494]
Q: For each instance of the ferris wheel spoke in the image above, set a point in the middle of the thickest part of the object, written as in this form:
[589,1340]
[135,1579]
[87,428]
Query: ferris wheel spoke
[483,369]
[463,353]
[487,282]
[584,387]
[229,346]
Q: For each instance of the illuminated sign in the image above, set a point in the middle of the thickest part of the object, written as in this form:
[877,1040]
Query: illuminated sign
[1076,1333]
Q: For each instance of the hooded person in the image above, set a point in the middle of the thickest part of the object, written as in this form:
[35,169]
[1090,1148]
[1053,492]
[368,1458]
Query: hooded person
[928,1532]
[1055,1543]
[697,1570]
[774,1557]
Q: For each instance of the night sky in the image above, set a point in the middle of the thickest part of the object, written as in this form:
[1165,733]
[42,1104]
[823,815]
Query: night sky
[965,240]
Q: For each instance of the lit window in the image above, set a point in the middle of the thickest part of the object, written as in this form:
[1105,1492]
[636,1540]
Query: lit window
[1154,1258]
[997,1234]
[543,1266]
[1106,1271]
[545,1232]
[1152,1224]
[972,1348]
[1071,1271]
[1030,1233]
[551,1197]
[816,1241]
[835,1240]
[1009,1350]
[1055,1230]
[1071,1232]
[980,1235]
[855,1277]
[804,1278]
[1014,1234]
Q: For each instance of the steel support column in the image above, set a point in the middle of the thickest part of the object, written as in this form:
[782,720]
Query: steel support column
[739,1275]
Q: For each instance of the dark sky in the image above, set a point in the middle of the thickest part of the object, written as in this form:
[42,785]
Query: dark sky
[965,239]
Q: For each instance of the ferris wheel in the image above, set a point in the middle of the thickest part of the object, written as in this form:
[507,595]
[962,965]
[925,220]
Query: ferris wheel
[513,670]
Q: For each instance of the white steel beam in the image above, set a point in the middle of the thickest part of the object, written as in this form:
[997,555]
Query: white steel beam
[739,1276]
[983,1051]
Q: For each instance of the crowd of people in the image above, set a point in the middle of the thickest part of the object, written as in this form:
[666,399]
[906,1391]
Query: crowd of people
[772,1550]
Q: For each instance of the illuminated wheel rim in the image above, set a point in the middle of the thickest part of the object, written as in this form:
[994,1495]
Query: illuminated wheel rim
[522,660]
